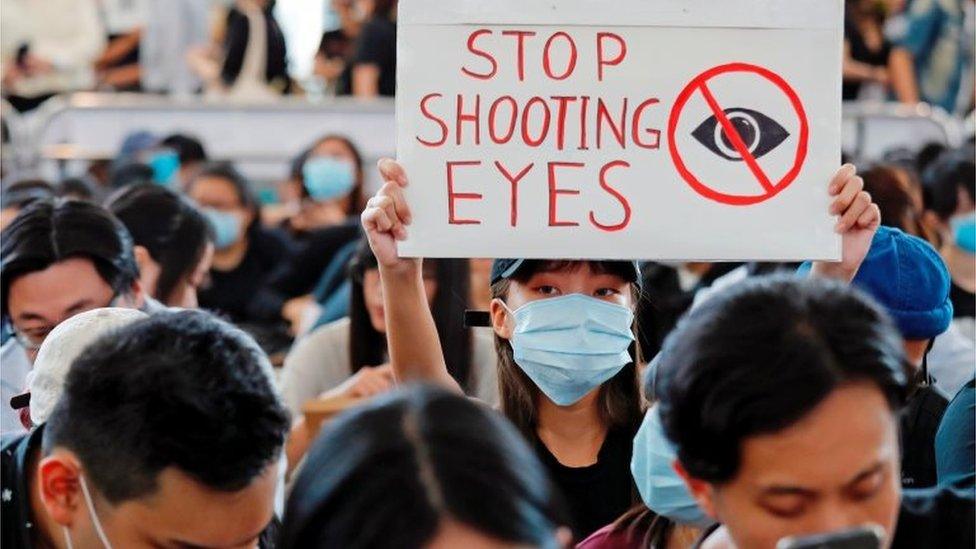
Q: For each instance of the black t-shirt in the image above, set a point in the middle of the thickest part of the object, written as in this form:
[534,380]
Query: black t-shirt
[235,45]
[376,45]
[919,424]
[16,521]
[336,44]
[861,52]
[963,302]
[244,294]
[597,494]
[316,250]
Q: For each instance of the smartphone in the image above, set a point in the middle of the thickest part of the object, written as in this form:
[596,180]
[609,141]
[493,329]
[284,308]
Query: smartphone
[863,537]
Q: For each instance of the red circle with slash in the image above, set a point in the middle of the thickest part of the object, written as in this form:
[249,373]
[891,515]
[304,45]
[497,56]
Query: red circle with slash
[700,84]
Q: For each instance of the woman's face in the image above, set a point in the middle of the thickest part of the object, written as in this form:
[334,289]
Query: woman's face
[220,194]
[336,150]
[373,296]
[185,293]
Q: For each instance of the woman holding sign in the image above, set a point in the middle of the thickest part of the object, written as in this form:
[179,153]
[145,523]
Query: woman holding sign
[566,348]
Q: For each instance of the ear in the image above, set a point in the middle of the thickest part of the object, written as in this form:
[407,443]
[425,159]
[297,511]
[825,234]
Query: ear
[701,490]
[500,319]
[58,483]
[143,259]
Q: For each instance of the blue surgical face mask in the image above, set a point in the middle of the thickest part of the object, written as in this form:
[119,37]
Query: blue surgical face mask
[964,232]
[659,485]
[570,345]
[226,227]
[165,164]
[328,178]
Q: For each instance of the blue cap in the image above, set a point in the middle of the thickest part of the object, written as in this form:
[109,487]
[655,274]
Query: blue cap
[910,280]
[506,268]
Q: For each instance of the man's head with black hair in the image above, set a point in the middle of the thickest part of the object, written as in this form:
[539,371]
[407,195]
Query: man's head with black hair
[175,428]
[781,396]
[59,258]
[949,188]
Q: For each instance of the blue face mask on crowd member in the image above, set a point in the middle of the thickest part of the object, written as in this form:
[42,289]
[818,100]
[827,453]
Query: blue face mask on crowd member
[94,516]
[570,345]
[328,178]
[226,227]
[964,232]
[165,164]
[662,490]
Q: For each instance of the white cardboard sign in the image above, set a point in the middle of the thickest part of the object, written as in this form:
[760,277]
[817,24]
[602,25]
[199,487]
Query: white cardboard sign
[632,129]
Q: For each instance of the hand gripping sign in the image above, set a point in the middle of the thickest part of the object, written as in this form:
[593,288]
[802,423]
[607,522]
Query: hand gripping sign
[670,130]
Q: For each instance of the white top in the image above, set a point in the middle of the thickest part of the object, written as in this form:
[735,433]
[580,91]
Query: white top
[68,33]
[14,367]
[320,361]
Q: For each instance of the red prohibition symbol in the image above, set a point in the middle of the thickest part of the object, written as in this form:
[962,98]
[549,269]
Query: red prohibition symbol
[770,188]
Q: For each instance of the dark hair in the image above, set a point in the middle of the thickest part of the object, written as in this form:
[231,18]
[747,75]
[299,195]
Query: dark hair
[642,527]
[356,200]
[620,399]
[129,173]
[188,149]
[893,198]
[173,232]
[77,188]
[367,347]
[383,9]
[242,187]
[387,473]
[50,231]
[21,193]
[180,389]
[944,177]
[759,356]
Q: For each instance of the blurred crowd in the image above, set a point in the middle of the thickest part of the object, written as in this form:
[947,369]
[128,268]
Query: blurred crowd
[220,48]
[906,50]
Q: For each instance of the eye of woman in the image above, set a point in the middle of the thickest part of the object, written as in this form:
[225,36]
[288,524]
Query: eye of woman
[546,289]
[606,292]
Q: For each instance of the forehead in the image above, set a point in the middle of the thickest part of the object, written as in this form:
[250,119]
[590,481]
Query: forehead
[213,188]
[72,280]
[331,147]
[184,510]
[568,270]
[850,430]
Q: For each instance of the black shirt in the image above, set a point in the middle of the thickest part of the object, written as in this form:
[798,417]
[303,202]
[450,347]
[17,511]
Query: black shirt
[919,424]
[861,52]
[304,270]
[376,45]
[16,520]
[963,302]
[336,44]
[235,45]
[243,294]
[596,494]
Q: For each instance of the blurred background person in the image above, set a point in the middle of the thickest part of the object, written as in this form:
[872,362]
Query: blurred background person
[118,68]
[173,242]
[47,48]
[374,53]
[866,49]
[173,29]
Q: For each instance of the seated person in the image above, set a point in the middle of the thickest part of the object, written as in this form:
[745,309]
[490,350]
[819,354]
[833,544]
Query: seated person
[184,453]
[349,357]
[423,468]
[245,253]
[786,421]
[173,242]
[59,258]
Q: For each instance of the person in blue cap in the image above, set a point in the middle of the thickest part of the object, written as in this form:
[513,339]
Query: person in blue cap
[567,353]
[908,277]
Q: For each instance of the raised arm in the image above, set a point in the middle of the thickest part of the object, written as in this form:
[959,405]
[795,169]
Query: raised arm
[415,349]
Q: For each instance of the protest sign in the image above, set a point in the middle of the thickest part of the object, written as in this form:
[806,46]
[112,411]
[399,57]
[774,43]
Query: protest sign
[632,129]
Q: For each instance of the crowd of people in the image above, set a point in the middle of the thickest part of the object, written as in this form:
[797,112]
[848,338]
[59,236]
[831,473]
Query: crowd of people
[186,361]
[167,337]
[907,50]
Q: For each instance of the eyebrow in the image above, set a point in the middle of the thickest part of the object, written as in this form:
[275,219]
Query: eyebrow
[871,470]
[28,315]
[788,491]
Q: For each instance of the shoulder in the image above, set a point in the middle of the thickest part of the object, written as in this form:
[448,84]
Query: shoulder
[608,537]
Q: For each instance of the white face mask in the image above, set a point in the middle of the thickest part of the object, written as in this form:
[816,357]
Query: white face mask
[91,511]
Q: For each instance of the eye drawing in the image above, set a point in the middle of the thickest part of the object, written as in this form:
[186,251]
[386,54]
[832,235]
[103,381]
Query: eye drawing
[759,133]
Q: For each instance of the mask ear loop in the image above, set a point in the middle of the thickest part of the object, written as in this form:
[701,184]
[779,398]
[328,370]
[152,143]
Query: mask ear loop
[94,515]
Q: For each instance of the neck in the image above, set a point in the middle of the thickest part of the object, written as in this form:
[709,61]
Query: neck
[962,267]
[575,433]
[45,529]
[230,258]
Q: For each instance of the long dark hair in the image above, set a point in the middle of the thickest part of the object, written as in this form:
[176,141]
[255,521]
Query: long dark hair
[620,400]
[173,232]
[390,472]
[367,347]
